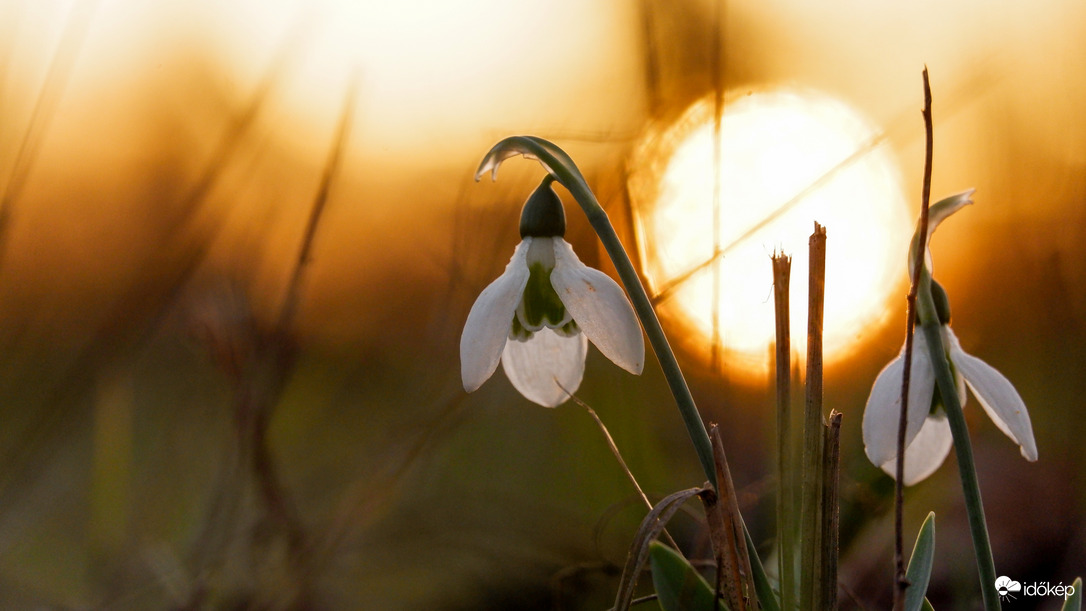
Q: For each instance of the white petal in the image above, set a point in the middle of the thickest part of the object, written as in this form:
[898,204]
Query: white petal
[489,321]
[927,451]
[883,411]
[545,364]
[997,396]
[599,307]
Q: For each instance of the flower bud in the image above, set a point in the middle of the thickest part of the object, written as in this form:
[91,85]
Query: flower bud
[543,215]
[942,302]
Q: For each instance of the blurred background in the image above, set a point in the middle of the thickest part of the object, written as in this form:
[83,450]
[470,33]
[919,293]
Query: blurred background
[229,371]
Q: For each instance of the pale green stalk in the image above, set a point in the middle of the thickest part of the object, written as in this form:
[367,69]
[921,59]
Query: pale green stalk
[963,449]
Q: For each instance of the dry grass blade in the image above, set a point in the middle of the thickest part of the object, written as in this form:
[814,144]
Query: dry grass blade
[650,527]
[733,572]
[831,473]
[786,489]
[813,425]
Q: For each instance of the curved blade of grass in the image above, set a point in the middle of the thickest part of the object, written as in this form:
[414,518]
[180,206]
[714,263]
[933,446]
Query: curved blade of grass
[650,527]
[926,605]
[679,587]
[1074,601]
[919,572]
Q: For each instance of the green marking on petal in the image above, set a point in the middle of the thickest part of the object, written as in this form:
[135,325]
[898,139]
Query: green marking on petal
[518,332]
[540,305]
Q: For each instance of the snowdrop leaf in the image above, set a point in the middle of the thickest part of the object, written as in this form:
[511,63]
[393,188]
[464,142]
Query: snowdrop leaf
[919,571]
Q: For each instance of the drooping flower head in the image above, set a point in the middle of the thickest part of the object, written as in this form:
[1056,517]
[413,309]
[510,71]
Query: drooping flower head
[928,437]
[538,316]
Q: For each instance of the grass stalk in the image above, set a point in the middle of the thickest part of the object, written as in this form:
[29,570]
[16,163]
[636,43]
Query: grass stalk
[786,505]
[831,474]
[813,426]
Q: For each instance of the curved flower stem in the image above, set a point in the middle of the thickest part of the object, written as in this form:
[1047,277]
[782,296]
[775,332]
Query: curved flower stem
[962,448]
[561,166]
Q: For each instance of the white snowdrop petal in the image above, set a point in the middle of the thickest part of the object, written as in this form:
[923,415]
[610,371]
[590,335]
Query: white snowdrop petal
[998,397]
[883,411]
[927,451]
[599,307]
[541,367]
[489,320]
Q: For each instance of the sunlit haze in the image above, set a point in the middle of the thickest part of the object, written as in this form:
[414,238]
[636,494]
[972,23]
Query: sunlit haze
[788,159]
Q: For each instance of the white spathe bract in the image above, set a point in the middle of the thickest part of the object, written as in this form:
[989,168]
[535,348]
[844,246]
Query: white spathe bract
[927,433]
[937,213]
[537,317]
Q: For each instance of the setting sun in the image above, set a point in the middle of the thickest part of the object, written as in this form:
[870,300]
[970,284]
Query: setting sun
[787,160]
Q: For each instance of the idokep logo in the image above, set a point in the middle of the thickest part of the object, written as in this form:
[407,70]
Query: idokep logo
[1008,587]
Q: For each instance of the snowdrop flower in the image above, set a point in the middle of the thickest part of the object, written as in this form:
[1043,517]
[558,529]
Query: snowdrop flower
[537,317]
[927,433]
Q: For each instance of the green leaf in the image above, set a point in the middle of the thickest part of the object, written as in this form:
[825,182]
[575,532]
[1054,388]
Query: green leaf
[919,572]
[678,586]
[927,606]
[1074,601]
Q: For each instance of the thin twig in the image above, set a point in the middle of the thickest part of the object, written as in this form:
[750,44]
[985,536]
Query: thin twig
[718,117]
[900,581]
[618,456]
[652,62]
[260,396]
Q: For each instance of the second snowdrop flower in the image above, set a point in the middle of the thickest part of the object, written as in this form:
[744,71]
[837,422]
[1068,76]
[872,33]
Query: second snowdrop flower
[928,437]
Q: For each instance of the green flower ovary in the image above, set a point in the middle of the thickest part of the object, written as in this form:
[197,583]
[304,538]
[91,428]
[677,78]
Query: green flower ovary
[937,404]
[540,306]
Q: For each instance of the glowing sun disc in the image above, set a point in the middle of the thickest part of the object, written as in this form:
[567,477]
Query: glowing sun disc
[787,160]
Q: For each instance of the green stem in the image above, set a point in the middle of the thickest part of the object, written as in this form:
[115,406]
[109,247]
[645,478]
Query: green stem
[655,332]
[962,448]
